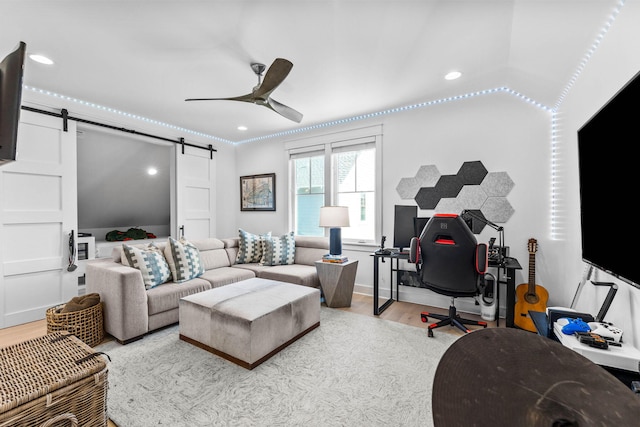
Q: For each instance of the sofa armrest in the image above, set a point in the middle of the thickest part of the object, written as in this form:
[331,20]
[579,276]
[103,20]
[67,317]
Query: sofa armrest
[122,291]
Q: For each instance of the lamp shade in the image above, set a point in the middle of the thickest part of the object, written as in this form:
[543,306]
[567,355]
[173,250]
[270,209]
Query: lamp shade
[334,216]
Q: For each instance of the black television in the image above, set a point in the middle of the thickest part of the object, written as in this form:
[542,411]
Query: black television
[11,74]
[608,170]
[403,226]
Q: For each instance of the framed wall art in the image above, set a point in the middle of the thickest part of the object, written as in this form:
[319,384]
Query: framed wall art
[258,192]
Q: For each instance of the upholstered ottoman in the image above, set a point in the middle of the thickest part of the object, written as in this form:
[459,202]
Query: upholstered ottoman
[249,321]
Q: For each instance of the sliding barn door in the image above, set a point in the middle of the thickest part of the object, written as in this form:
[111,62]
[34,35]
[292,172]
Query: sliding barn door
[38,210]
[195,193]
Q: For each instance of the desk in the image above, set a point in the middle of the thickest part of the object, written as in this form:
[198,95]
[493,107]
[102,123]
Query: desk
[377,308]
[508,269]
[622,362]
[506,275]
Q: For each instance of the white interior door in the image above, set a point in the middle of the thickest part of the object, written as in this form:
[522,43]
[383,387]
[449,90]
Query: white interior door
[38,211]
[195,193]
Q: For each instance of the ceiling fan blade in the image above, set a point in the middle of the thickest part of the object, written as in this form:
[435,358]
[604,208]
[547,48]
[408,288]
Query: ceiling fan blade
[276,73]
[283,110]
[245,98]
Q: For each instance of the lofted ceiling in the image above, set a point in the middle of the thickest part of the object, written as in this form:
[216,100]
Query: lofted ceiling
[350,57]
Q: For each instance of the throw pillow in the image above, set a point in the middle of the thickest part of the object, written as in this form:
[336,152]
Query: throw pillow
[151,263]
[184,260]
[279,250]
[251,247]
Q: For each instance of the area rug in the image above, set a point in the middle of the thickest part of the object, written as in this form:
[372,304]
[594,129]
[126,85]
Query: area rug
[353,370]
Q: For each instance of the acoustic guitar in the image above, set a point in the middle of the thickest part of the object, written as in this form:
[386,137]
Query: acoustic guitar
[530,296]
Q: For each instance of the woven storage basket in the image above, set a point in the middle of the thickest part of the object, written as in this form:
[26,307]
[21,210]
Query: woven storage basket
[85,324]
[55,380]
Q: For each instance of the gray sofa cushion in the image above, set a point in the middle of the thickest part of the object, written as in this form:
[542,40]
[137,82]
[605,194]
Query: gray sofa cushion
[254,267]
[310,249]
[167,296]
[215,258]
[296,273]
[312,242]
[232,246]
[226,275]
[212,253]
[208,244]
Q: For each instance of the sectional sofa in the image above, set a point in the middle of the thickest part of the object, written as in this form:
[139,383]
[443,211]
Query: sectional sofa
[132,309]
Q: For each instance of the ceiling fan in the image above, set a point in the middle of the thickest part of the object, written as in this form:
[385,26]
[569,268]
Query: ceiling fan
[261,94]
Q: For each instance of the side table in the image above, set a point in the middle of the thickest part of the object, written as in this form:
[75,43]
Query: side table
[336,281]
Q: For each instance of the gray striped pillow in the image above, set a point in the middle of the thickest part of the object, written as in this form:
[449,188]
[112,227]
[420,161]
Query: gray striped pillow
[151,263]
[279,250]
[184,260]
[251,247]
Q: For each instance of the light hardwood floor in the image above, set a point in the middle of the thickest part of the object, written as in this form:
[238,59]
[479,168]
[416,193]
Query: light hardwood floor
[405,312]
[400,311]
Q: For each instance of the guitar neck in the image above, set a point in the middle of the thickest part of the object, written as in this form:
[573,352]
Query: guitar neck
[532,273]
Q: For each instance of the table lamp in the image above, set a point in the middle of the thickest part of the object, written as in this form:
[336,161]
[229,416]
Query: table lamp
[334,217]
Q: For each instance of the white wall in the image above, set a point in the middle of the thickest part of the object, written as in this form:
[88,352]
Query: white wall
[255,159]
[504,132]
[228,191]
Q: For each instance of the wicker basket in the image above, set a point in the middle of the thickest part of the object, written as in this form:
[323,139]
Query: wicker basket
[85,324]
[54,380]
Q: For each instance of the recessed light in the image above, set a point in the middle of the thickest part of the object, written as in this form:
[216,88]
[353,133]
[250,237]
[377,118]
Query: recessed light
[152,171]
[243,128]
[41,59]
[453,75]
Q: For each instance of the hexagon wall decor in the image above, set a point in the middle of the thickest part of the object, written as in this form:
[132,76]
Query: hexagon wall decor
[427,176]
[472,188]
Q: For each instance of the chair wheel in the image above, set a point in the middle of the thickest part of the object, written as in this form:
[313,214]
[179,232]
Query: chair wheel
[424,317]
[430,333]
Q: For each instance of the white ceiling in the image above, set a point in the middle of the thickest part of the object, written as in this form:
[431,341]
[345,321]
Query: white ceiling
[351,57]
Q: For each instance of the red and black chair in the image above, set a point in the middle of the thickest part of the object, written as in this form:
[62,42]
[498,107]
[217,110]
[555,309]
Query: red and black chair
[449,261]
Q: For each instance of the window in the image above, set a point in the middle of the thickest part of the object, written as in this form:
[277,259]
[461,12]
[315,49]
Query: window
[355,172]
[341,173]
[309,193]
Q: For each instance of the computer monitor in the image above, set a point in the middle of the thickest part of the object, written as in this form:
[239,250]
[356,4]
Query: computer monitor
[403,226]
[418,225]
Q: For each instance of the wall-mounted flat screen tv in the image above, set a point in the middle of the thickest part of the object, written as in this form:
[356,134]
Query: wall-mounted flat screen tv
[608,176]
[11,74]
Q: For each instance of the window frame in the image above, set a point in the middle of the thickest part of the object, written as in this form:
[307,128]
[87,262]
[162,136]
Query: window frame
[340,141]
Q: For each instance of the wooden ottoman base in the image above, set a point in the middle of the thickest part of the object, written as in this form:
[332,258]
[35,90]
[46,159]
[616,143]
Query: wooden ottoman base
[249,321]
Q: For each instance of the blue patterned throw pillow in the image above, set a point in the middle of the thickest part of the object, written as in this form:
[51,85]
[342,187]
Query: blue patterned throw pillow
[184,260]
[251,247]
[279,250]
[151,263]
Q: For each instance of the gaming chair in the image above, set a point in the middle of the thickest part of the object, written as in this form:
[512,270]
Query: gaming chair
[451,262]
